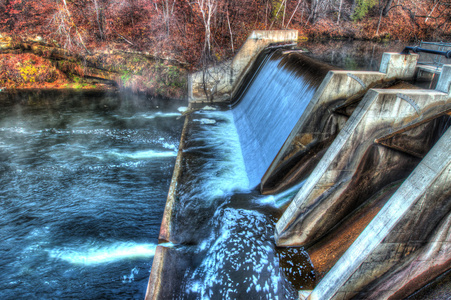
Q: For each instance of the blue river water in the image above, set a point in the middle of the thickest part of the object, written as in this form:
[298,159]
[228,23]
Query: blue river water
[83,184]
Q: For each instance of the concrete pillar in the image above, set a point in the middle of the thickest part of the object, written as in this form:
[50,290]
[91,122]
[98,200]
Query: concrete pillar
[423,189]
[398,66]
[444,82]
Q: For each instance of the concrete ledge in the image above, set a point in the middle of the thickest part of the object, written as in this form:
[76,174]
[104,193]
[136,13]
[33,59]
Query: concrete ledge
[444,82]
[165,229]
[154,285]
[398,66]
[168,269]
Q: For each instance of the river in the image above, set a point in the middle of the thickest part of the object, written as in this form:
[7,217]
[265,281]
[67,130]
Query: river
[84,181]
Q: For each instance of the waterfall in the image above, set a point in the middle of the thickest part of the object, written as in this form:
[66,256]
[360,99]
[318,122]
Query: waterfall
[270,107]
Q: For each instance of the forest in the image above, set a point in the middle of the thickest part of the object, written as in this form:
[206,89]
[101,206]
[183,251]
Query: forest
[191,33]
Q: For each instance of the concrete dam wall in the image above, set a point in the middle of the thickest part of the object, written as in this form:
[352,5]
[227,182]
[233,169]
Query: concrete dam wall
[317,183]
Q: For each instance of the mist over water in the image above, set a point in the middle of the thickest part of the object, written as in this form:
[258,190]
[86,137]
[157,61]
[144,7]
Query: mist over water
[84,182]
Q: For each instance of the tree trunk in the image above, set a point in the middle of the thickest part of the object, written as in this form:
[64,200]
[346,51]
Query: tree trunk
[387,8]
[339,12]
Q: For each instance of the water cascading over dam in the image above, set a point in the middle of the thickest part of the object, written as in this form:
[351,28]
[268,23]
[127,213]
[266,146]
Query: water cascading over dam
[215,197]
[271,106]
[296,119]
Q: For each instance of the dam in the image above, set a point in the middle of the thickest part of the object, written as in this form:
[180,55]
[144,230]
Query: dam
[297,180]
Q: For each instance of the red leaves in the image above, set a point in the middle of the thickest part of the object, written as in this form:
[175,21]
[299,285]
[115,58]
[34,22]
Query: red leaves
[175,28]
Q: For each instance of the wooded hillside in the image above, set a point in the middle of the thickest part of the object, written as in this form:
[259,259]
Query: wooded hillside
[149,46]
[194,31]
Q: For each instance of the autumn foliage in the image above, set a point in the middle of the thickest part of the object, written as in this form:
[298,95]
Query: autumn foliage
[26,70]
[176,36]
[180,29]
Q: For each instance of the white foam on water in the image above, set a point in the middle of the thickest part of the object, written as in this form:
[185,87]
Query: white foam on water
[169,146]
[167,245]
[103,254]
[205,121]
[280,199]
[145,154]
[224,173]
[115,166]
[131,277]
[239,257]
[207,107]
[150,115]
[20,130]
[161,115]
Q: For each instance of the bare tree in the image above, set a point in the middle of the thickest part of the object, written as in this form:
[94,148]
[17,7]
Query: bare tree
[207,8]
[99,19]
[66,27]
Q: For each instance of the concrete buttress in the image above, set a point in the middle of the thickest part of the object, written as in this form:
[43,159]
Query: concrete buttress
[320,122]
[355,166]
[407,244]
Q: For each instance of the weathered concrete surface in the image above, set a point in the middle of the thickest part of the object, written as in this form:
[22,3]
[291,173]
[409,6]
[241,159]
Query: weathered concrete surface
[162,272]
[165,228]
[217,83]
[439,288]
[154,286]
[398,66]
[167,272]
[444,82]
[355,167]
[427,75]
[407,244]
[318,126]
[315,130]
[325,253]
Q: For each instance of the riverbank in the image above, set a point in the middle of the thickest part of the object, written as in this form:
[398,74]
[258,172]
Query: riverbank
[32,63]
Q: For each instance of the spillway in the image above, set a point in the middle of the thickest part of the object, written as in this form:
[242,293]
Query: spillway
[272,104]
[297,119]
[221,228]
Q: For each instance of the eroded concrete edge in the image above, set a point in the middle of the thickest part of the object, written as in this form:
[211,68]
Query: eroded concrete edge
[154,285]
[165,229]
